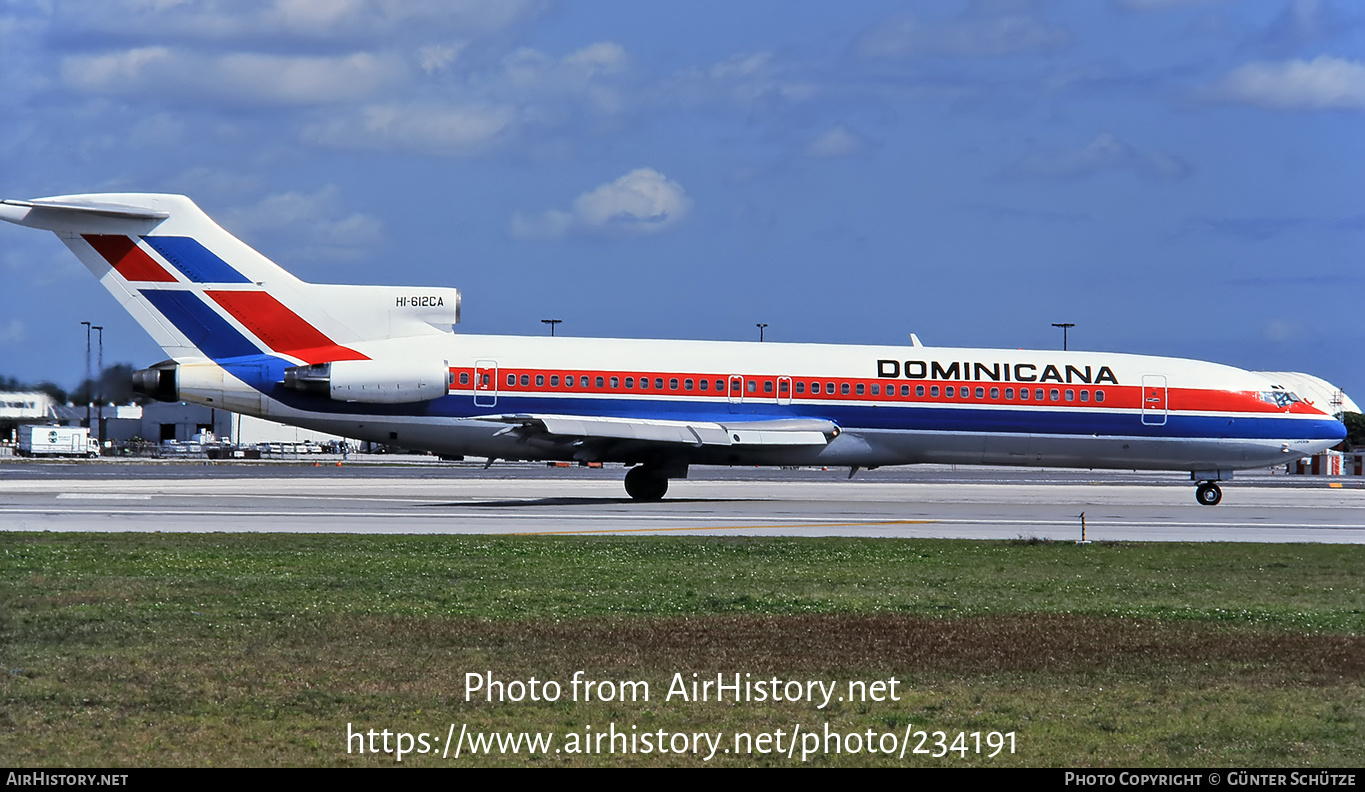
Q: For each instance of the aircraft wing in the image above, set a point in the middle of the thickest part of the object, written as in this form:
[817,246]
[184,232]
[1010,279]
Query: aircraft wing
[777,432]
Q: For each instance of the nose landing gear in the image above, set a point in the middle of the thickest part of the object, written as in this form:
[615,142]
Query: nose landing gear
[1208,493]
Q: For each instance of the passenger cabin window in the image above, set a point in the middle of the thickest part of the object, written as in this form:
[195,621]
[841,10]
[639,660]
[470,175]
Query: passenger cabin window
[1085,395]
[658,383]
[615,382]
[673,383]
[933,391]
[1070,395]
[540,380]
[511,379]
[800,387]
[767,386]
[753,386]
[980,393]
[687,384]
[1052,395]
[919,390]
[1099,395]
[815,387]
[599,382]
[630,383]
[464,377]
[995,393]
[704,383]
[860,389]
[583,381]
[843,388]
[554,380]
[1038,394]
[720,386]
[1023,394]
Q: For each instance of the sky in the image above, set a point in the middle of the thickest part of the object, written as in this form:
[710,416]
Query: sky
[1175,177]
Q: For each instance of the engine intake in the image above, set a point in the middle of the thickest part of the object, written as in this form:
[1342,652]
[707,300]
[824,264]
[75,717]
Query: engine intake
[158,382]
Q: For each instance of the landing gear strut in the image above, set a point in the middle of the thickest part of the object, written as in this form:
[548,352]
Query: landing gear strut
[1208,493]
[645,484]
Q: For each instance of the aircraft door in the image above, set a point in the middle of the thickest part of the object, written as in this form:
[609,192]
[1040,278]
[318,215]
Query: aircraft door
[485,383]
[784,390]
[736,394]
[1154,393]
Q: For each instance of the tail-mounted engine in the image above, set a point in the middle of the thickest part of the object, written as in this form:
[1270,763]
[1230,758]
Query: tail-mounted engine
[373,381]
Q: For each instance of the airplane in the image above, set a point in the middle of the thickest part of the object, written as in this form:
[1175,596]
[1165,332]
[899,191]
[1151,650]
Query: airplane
[384,364]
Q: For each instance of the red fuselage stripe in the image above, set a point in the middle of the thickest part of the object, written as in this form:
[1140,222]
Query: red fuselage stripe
[1115,397]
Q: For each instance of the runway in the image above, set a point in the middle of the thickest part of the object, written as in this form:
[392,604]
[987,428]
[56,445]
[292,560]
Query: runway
[435,499]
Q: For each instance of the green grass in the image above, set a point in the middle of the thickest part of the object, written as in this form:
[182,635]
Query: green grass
[259,649]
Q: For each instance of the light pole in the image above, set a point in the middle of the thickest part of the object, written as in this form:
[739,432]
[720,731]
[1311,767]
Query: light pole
[551,323]
[87,373]
[1064,326]
[99,387]
[760,326]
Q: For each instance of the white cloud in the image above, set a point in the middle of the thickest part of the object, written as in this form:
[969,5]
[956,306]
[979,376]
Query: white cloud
[1159,5]
[317,218]
[593,72]
[643,201]
[428,128]
[1279,331]
[251,21]
[13,333]
[837,142]
[246,78]
[439,57]
[753,81]
[604,57]
[1324,83]
[970,35]
[1107,152]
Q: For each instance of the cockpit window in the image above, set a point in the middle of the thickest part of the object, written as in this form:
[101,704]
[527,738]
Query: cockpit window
[1279,398]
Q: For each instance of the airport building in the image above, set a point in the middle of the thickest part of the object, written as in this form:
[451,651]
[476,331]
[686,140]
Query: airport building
[158,422]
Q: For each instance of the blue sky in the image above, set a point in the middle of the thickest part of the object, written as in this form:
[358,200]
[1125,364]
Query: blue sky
[1175,177]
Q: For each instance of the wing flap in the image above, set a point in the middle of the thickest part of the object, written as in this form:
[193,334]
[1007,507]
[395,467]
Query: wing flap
[783,432]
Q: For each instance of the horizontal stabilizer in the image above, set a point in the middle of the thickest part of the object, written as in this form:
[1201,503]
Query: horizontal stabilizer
[43,207]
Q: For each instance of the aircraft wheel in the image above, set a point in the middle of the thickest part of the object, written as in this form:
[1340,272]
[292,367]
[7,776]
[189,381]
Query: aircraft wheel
[1208,494]
[643,485]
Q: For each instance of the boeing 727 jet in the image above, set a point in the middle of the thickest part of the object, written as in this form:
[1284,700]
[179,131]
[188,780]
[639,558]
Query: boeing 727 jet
[385,364]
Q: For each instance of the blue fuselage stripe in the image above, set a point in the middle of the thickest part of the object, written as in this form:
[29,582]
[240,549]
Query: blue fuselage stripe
[888,417]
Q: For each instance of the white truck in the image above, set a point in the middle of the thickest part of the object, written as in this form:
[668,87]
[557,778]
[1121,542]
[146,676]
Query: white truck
[57,441]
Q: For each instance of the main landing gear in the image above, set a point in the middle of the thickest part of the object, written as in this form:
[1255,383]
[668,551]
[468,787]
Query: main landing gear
[644,483]
[1208,493]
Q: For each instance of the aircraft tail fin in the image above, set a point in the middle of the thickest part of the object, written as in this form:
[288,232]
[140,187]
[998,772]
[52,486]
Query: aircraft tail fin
[201,292]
